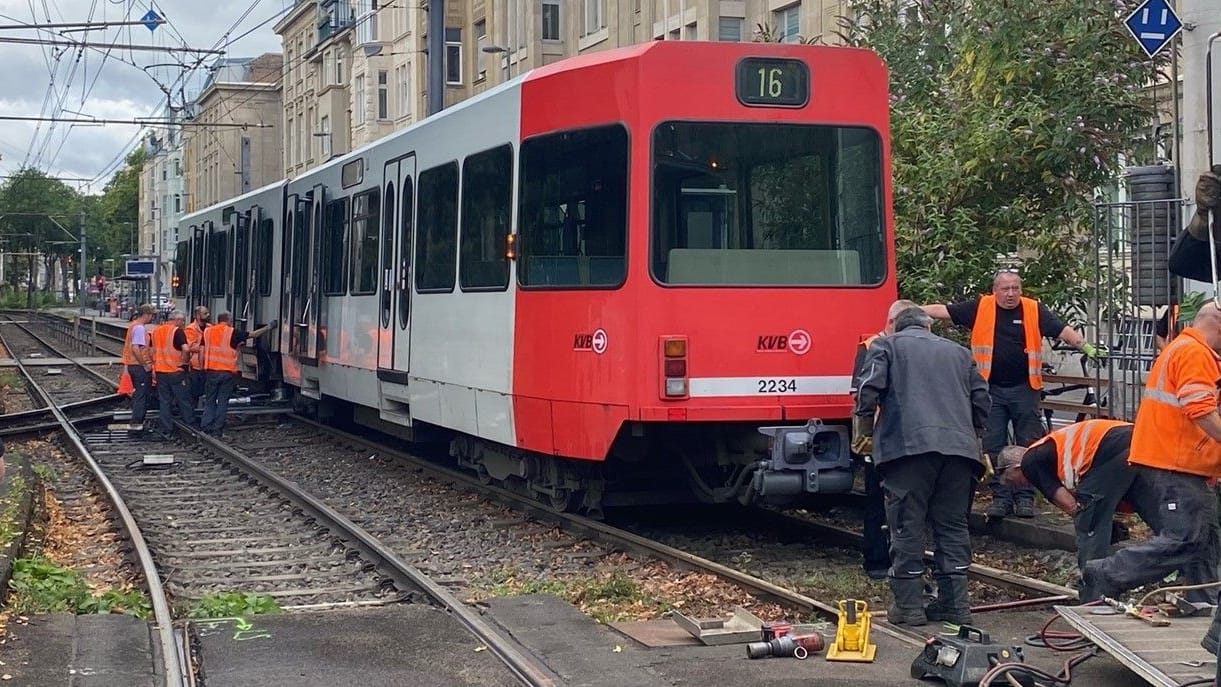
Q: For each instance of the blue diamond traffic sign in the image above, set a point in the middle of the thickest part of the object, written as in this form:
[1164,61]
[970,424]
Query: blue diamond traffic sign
[1154,25]
[151,19]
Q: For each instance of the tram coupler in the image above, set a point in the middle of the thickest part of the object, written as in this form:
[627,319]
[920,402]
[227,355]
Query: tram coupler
[962,660]
[813,458]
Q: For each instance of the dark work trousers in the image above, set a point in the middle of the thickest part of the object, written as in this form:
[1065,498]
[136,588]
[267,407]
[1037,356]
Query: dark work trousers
[1101,489]
[142,380]
[1018,405]
[1186,538]
[217,389]
[173,393]
[875,546]
[1189,257]
[198,380]
[928,491]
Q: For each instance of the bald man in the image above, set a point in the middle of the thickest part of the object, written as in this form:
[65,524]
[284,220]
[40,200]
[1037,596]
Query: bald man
[1176,450]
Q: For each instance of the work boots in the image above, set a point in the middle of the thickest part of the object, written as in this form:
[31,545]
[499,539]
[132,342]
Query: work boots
[951,604]
[1023,504]
[908,608]
[1002,502]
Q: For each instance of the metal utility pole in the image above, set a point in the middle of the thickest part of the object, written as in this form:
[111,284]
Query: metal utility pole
[84,273]
[436,56]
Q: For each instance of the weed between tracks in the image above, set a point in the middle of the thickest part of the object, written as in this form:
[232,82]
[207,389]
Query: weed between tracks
[233,605]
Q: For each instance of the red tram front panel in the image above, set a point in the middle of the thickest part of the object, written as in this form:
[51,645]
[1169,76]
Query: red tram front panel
[751,250]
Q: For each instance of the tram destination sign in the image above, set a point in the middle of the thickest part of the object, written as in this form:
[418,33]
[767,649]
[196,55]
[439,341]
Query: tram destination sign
[773,82]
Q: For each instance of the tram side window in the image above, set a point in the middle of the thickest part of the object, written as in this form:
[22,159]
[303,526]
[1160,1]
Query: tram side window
[572,223]
[436,246]
[335,248]
[182,268]
[262,247]
[366,233]
[241,268]
[218,262]
[487,187]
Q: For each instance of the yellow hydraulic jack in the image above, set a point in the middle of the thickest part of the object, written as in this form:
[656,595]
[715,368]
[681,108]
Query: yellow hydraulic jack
[852,635]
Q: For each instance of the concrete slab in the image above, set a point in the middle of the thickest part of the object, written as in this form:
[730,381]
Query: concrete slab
[81,651]
[405,644]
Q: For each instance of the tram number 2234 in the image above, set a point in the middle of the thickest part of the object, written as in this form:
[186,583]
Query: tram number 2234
[777,386]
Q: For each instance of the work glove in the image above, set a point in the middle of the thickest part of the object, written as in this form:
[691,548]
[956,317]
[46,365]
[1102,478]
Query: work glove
[1208,190]
[1095,354]
[862,435]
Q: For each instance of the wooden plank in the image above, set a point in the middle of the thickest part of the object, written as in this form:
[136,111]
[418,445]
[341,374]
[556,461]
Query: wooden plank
[1154,653]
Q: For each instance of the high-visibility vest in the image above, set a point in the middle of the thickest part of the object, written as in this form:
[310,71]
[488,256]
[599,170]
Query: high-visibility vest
[219,356]
[166,358]
[983,338]
[1181,387]
[1076,446]
[195,336]
[130,355]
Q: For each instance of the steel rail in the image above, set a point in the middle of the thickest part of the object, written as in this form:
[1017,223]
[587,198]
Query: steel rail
[617,538]
[49,426]
[38,412]
[527,670]
[174,675]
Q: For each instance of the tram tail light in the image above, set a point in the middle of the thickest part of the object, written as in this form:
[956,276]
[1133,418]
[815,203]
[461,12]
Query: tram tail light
[511,247]
[674,367]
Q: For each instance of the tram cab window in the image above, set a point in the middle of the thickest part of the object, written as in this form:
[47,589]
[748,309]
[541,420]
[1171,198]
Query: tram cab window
[182,269]
[766,205]
[436,247]
[366,237]
[262,249]
[335,248]
[487,194]
[572,222]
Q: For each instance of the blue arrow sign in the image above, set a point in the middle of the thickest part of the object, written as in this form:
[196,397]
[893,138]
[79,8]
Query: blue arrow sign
[151,19]
[1154,25]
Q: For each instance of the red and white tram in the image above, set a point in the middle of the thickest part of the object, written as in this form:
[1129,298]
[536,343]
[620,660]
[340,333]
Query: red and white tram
[614,269]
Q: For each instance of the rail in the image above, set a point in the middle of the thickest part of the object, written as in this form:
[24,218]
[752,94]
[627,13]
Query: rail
[170,647]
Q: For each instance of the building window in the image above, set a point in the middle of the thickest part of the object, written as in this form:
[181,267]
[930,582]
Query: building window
[481,41]
[324,128]
[328,66]
[358,92]
[595,16]
[383,94]
[453,57]
[730,29]
[288,141]
[551,20]
[339,67]
[177,203]
[487,181]
[404,80]
[788,24]
[436,238]
[307,144]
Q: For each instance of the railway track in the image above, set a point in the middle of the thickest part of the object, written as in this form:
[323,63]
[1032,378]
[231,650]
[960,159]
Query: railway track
[206,519]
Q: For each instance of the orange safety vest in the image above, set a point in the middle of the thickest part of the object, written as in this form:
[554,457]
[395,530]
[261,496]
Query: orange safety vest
[1182,386]
[130,355]
[219,356]
[1076,445]
[983,338]
[195,336]
[166,358]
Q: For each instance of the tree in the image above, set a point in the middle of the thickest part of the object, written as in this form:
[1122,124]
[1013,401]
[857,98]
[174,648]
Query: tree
[1005,119]
[35,209]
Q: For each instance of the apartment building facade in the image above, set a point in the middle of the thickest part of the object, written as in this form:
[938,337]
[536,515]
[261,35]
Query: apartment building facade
[162,188]
[356,70]
[234,143]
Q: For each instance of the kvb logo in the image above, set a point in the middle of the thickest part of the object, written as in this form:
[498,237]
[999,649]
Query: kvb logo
[800,341]
[772,343]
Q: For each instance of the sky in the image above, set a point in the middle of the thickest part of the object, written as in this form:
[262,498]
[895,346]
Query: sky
[120,84]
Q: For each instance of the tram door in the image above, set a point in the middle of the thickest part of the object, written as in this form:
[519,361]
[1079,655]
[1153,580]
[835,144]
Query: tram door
[312,315]
[394,286]
[195,293]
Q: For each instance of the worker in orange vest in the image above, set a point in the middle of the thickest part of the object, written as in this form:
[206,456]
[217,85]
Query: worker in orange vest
[220,343]
[875,541]
[194,333]
[138,359]
[170,355]
[1176,452]
[1083,470]
[1007,331]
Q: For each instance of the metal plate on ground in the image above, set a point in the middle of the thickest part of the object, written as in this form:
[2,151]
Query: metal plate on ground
[657,633]
[1165,656]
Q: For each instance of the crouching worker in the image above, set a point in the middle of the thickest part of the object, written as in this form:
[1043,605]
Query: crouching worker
[1083,470]
[931,407]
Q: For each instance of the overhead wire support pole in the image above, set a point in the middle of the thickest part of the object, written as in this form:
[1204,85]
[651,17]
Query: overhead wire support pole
[80,294]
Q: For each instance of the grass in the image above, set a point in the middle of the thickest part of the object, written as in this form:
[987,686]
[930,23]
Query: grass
[11,522]
[607,597]
[233,605]
[41,586]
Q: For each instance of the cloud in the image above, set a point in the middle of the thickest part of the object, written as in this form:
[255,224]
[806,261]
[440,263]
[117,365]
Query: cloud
[123,84]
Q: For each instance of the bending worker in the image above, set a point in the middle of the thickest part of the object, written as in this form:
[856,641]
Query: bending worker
[1083,470]
[930,404]
[875,542]
[1007,331]
[1176,450]
[220,343]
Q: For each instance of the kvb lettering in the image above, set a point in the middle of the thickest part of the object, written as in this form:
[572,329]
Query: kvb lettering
[773,342]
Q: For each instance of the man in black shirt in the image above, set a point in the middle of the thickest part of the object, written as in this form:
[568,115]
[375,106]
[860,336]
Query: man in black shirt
[1083,470]
[1006,341]
[1189,256]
